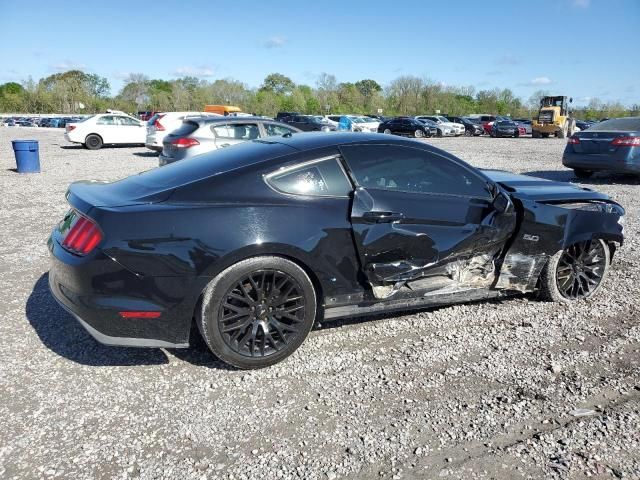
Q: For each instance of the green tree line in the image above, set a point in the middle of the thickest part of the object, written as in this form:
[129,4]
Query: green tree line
[75,92]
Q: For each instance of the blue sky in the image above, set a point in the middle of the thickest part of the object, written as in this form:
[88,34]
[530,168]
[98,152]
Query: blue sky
[485,44]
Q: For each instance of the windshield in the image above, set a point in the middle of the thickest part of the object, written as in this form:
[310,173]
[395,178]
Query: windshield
[356,119]
[442,119]
[628,124]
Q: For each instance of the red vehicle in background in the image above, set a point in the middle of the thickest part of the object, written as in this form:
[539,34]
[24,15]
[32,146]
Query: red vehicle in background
[145,116]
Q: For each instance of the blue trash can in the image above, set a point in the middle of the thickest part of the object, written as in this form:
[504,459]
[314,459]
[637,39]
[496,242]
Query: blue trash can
[27,155]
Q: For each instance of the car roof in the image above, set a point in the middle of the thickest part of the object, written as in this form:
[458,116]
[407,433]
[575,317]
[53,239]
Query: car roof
[314,140]
[228,119]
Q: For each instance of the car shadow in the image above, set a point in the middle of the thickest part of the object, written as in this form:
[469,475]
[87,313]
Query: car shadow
[62,334]
[148,154]
[72,147]
[599,178]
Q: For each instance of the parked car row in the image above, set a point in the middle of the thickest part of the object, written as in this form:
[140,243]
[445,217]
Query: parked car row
[51,122]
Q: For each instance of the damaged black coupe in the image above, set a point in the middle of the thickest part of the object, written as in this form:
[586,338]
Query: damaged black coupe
[254,243]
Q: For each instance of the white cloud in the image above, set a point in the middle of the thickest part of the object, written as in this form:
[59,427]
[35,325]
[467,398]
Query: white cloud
[540,81]
[191,71]
[581,3]
[275,42]
[66,65]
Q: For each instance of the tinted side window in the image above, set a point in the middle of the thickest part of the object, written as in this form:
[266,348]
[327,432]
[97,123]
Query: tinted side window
[237,131]
[274,129]
[106,120]
[323,178]
[408,169]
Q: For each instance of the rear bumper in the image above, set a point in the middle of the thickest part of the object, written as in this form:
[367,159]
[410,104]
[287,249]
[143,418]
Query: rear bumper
[82,288]
[155,148]
[602,162]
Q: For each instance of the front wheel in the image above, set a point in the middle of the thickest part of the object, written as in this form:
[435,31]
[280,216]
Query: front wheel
[439,134]
[418,134]
[257,312]
[575,273]
[468,133]
[387,131]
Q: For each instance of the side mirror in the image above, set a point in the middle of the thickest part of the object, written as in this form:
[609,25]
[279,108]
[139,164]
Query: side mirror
[502,203]
[570,100]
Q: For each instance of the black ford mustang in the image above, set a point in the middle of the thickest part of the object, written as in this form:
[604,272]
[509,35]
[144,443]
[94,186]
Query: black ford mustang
[257,241]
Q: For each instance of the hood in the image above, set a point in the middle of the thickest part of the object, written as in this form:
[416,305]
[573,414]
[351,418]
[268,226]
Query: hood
[541,190]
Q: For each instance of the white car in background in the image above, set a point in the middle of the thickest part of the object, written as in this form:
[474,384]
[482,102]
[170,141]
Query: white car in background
[163,123]
[364,124]
[113,128]
[458,128]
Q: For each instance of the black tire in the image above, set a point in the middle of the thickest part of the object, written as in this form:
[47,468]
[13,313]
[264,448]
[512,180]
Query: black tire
[418,133]
[545,135]
[535,134]
[558,286]
[387,131]
[247,296]
[439,134]
[93,142]
[468,133]
[580,173]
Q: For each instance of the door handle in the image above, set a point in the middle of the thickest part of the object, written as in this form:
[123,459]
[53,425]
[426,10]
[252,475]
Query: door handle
[382,217]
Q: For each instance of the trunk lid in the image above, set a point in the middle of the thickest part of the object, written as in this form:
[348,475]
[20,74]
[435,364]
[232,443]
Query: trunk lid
[85,195]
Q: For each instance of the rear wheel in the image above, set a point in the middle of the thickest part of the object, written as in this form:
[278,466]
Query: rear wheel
[535,134]
[387,131]
[580,173]
[93,142]
[439,134]
[257,312]
[468,133]
[576,272]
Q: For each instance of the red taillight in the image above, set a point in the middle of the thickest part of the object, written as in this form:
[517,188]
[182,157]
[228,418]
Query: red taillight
[573,140]
[83,237]
[158,125]
[133,314]
[184,142]
[626,142]
[70,127]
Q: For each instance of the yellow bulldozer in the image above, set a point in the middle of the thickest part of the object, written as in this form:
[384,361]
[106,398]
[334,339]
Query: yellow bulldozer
[553,118]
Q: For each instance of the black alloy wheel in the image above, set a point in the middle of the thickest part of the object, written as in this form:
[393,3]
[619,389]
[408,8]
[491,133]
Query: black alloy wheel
[575,273]
[261,313]
[257,312]
[580,269]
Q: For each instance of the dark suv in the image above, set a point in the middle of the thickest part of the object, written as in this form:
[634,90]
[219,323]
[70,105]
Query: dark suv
[308,123]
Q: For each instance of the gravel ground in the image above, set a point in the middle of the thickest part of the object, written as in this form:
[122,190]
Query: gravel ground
[505,389]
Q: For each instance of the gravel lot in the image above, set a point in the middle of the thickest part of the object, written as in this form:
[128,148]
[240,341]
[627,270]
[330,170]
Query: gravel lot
[487,390]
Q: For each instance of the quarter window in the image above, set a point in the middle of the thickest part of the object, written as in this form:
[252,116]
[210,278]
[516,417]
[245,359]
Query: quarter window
[406,169]
[236,131]
[106,120]
[273,129]
[323,178]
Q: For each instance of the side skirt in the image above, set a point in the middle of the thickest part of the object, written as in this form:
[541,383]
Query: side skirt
[442,297]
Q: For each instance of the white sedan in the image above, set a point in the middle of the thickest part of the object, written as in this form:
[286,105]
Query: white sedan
[107,129]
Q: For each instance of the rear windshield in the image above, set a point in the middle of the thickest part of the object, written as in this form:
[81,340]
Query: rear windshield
[210,164]
[187,128]
[629,124]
